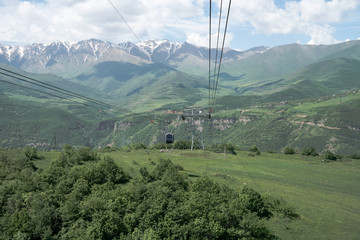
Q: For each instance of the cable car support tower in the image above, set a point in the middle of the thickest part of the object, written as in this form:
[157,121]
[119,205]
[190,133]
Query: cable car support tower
[194,115]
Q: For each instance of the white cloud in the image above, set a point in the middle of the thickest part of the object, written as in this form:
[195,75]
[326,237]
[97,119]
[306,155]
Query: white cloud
[81,19]
[203,40]
[321,34]
[71,20]
[309,17]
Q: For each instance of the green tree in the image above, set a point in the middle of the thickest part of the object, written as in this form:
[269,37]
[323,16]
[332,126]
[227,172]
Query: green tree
[328,155]
[310,151]
[289,150]
[137,146]
[355,156]
[228,147]
[86,155]
[183,144]
[31,153]
[254,149]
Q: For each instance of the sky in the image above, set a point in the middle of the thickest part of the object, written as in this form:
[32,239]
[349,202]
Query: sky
[251,22]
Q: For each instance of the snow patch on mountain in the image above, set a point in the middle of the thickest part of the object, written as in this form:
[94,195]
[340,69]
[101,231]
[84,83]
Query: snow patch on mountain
[43,56]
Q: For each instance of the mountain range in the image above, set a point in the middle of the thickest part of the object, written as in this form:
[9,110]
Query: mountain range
[42,58]
[158,75]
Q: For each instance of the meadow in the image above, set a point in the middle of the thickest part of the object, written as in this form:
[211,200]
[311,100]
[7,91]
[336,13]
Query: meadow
[324,193]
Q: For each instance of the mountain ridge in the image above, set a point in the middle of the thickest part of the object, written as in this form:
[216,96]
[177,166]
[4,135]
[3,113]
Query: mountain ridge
[43,57]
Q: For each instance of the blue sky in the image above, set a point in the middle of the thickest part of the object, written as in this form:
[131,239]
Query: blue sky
[251,23]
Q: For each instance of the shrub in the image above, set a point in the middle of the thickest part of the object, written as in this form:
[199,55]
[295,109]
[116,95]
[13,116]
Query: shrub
[86,154]
[328,155]
[110,149]
[355,156]
[254,149]
[137,146]
[254,202]
[289,150]
[271,151]
[280,206]
[183,144]
[223,146]
[309,152]
[31,153]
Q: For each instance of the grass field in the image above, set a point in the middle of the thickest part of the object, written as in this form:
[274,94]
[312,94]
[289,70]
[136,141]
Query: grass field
[325,194]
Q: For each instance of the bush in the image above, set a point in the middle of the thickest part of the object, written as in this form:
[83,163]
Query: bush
[137,146]
[254,202]
[289,150]
[31,153]
[280,206]
[254,149]
[86,154]
[309,152]
[184,144]
[355,156]
[223,146]
[328,155]
[110,149]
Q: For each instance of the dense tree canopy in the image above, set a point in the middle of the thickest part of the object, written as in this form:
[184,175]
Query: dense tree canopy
[83,196]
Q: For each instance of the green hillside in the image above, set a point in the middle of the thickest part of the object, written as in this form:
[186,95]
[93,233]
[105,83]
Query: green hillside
[270,122]
[319,79]
[324,123]
[23,123]
[268,119]
[351,52]
[278,62]
[145,87]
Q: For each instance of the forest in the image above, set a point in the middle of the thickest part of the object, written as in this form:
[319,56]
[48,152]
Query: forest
[86,195]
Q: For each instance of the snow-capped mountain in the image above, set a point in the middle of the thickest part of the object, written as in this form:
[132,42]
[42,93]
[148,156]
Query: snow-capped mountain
[39,57]
[166,51]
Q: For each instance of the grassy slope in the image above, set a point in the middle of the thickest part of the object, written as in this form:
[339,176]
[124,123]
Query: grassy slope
[324,194]
[22,123]
[324,123]
[331,123]
[48,79]
[328,123]
[318,79]
[278,62]
[145,87]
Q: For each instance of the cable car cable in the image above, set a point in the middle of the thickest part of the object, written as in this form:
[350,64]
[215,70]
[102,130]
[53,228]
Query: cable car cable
[57,96]
[222,50]
[46,93]
[58,89]
[62,92]
[124,20]
[49,86]
[66,92]
[217,43]
[210,57]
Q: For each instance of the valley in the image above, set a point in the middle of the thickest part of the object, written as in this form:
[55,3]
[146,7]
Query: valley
[292,95]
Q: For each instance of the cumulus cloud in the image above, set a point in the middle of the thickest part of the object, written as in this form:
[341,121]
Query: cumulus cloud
[71,20]
[203,40]
[309,17]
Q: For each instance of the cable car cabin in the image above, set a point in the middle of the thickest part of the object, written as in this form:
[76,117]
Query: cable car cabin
[169,138]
